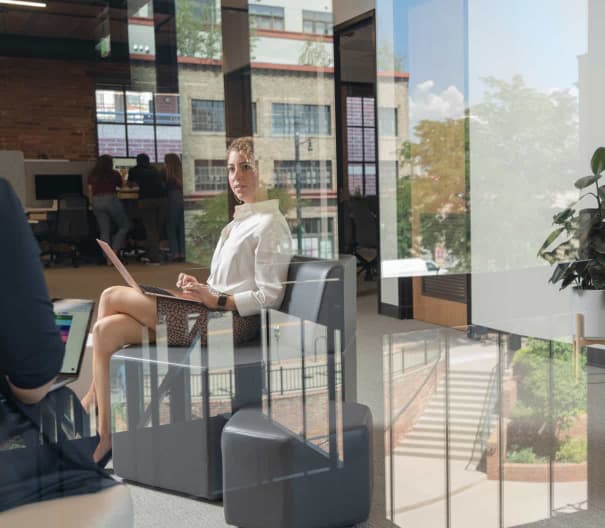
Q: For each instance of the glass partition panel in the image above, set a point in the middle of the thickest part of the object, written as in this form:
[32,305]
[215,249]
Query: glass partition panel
[285,373]
[473,395]
[527,440]
[293,104]
[202,110]
[415,369]
[494,427]
[572,419]
[422,147]
[221,371]
[316,385]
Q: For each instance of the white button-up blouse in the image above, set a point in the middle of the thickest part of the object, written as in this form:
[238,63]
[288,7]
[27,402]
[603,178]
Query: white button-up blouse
[252,256]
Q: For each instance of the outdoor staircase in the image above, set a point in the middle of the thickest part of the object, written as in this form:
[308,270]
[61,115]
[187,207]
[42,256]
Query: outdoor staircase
[468,391]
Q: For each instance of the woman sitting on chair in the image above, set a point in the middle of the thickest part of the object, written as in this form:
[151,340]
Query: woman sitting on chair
[247,273]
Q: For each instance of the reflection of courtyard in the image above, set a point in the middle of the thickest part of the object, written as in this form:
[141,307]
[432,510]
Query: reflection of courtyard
[420,473]
[419,496]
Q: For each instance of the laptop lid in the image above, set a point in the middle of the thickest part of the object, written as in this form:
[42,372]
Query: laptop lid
[73,318]
[118,265]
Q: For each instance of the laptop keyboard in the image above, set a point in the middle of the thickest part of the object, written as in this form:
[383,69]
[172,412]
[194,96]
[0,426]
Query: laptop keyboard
[156,290]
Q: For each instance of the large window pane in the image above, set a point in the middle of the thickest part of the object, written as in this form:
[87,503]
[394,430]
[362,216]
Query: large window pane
[139,107]
[110,106]
[111,139]
[313,174]
[290,119]
[210,175]
[208,116]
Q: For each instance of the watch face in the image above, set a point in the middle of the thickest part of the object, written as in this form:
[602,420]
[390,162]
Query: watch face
[222,300]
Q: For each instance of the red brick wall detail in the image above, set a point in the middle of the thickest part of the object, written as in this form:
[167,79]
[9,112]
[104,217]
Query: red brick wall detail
[48,107]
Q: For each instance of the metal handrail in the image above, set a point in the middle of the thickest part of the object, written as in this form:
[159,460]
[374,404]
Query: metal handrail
[485,421]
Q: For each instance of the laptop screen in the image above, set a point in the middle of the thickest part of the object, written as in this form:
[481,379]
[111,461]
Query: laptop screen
[72,317]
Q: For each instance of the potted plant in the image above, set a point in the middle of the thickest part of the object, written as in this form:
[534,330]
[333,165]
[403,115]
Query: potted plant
[580,256]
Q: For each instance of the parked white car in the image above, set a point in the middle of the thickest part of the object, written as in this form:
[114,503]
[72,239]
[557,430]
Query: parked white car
[410,267]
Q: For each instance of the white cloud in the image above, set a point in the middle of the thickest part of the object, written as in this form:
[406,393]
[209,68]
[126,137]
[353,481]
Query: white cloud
[425,104]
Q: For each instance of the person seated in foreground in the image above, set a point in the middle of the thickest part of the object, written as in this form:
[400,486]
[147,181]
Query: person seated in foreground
[247,273]
[31,350]
[31,355]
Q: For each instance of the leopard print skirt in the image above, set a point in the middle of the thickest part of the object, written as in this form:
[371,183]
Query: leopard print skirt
[186,320]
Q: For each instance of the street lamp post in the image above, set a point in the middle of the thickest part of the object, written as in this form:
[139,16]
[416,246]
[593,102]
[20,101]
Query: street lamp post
[297,187]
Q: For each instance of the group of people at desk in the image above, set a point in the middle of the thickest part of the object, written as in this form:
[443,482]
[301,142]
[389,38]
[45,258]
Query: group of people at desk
[159,204]
[248,273]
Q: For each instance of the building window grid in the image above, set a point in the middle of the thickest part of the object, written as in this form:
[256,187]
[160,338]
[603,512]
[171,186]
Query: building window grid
[132,109]
[317,23]
[207,115]
[361,143]
[305,119]
[266,17]
[314,174]
[210,175]
[316,242]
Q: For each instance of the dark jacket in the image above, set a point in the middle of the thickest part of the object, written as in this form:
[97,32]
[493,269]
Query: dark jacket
[149,181]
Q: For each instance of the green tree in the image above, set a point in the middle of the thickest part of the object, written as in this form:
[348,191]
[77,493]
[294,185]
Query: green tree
[205,228]
[316,53]
[532,367]
[437,166]
[387,59]
[404,220]
[198,29]
[523,135]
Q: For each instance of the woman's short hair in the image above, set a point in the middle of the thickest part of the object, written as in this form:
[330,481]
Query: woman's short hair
[245,146]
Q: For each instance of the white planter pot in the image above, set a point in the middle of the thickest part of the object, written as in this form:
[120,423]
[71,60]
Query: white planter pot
[591,304]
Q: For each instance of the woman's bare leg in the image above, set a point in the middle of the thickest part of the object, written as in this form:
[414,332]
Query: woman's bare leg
[109,335]
[124,300]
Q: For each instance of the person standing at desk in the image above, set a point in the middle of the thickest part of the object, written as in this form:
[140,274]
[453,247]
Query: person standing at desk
[102,184]
[152,198]
[172,173]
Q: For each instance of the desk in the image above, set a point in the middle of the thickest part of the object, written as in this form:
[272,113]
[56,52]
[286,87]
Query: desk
[128,193]
[41,213]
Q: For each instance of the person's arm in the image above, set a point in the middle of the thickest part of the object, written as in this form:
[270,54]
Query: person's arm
[31,350]
[116,180]
[30,396]
[271,260]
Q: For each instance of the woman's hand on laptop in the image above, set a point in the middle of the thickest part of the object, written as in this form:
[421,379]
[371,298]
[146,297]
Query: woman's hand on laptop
[198,292]
[185,280]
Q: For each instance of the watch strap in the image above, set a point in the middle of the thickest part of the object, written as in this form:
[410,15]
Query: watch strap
[222,300]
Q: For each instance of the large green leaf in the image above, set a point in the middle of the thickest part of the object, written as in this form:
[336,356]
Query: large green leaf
[568,278]
[585,181]
[550,239]
[563,216]
[559,272]
[597,163]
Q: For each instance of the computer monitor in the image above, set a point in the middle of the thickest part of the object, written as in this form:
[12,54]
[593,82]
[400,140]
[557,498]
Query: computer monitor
[122,165]
[52,186]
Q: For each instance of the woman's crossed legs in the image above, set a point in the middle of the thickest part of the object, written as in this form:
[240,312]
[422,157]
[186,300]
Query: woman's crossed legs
[122,316]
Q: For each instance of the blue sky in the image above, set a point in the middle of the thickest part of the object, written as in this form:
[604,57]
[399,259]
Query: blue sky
[538,39]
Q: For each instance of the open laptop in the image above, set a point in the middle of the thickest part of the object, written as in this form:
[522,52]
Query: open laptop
[146,290]
[73,318]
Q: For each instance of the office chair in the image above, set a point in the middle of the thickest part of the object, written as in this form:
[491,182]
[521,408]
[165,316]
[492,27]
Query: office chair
[71,228]
[365,235]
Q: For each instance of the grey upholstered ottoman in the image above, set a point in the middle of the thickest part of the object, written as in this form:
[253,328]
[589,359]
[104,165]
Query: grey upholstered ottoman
[272,479]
